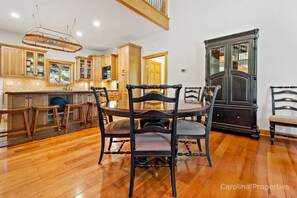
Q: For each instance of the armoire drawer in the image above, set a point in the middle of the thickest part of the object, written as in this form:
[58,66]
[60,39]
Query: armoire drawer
[240,117]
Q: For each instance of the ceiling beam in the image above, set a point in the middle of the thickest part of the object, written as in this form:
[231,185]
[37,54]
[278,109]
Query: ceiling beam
[147,11]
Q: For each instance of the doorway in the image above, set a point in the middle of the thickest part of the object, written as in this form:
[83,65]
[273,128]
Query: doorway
[155,69]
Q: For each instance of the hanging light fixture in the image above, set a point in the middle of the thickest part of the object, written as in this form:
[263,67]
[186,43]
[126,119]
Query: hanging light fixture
[51,39]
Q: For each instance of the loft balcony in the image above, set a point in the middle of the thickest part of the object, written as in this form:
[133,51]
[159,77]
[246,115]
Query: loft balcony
[153,10]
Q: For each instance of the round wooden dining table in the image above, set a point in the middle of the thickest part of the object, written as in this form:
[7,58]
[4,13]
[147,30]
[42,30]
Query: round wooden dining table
[185,109]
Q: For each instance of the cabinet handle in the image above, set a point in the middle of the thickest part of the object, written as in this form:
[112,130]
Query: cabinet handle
[218,115]
[238,117]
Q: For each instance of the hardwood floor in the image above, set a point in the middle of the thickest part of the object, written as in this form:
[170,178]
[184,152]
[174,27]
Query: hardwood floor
[66,166]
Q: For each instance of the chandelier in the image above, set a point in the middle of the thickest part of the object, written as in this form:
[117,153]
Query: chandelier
[51,39]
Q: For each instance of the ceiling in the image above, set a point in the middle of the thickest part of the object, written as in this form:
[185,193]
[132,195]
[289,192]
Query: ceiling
[118,24]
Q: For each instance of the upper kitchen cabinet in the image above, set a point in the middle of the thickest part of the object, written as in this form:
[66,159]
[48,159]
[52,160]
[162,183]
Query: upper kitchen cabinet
[12,61]
[97,64]
[18,61]
[231,61]
[35,64]
[129,60]
[84,68]
[109,67]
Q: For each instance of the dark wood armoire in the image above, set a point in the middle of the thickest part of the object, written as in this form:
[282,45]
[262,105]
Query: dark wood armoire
[231,61]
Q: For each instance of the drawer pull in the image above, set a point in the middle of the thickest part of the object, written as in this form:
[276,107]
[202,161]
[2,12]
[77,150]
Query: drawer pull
[238,117]
[218,115]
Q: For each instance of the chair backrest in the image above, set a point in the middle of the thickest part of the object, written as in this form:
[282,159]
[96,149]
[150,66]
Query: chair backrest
[101,94]
[209,95]
[284,98]
[145,91]
[153,113]
[192,93]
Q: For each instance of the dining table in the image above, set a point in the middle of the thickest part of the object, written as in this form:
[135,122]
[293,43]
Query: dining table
[185,108]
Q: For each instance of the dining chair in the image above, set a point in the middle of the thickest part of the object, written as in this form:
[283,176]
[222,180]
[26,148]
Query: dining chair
[196,130]
[114,129]
[162,122]
[192,94]
[284,108]
[153,140]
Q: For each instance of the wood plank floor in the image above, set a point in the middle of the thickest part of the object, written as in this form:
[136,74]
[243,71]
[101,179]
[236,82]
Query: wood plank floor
[66,166]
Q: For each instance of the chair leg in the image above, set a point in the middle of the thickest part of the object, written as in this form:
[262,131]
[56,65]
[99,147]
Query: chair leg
[272,131]
[199,145]
[110,143]
[172,173]
[102,149]
[34,122]
[132,175]
[207,151]
[27,125]
[66,117]
[82,116]
[56,119]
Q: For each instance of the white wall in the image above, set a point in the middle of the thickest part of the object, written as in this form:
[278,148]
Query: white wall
[193,21]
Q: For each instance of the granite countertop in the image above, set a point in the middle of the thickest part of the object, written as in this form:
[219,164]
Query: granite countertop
[51,92]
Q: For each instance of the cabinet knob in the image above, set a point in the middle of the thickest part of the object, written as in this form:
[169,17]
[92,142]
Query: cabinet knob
[218,115]
[238,117]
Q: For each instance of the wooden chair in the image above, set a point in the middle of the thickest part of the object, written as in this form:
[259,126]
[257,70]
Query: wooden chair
[192,94]
[117,129]
[284,102]
[36,110]
[153,140]
[93,105]
[196,130]
[66,121]
[24,111]
[162,122]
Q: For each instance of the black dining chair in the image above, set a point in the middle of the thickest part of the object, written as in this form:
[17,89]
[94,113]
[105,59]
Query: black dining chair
[192,94]
[162,122]
[114,129]
[284,108]
[196,130]
[153,140]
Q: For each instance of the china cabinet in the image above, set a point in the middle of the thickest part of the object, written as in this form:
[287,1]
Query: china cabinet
[231,61]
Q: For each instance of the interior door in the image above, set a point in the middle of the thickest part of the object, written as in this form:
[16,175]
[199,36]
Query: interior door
[154,73]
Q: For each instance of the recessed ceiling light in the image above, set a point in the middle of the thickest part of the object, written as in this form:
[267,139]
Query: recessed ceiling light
[96,23]
[79,34]
[15,15]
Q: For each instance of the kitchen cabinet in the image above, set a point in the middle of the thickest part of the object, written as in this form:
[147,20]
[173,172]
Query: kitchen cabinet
[12,61]
[84,68]
[231,61]
[34,64]
[18,61]
[110,64]
[26,100]
[113,95]
[129,63]
[97,70]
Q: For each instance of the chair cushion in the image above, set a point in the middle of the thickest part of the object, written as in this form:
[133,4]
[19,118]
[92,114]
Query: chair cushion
[286,119]
[119,127]
[189,128]
[152,142]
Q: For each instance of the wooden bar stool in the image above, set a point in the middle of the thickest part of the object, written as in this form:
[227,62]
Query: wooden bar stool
[92,106]
[36,111]
[24,112]
[66,121]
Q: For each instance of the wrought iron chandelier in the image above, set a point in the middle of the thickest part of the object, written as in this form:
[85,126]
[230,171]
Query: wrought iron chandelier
[51,39]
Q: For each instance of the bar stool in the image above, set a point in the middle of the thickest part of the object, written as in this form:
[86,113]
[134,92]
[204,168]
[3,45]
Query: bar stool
[36,110]
[24,112]
[91,113]
[68,108]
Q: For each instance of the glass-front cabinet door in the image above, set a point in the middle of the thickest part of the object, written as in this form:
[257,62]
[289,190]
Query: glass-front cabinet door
[30,62]
[40,65]
[35,64]
[217,70]
[240,54]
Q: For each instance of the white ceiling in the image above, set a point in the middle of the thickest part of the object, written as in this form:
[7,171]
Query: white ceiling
[118,23]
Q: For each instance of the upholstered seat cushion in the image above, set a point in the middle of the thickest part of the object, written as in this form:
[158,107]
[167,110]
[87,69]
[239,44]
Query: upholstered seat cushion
[119,127]
[152,142]
[283,119]
[185,127]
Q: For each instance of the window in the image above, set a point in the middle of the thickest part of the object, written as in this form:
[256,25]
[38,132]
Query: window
[60,72]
